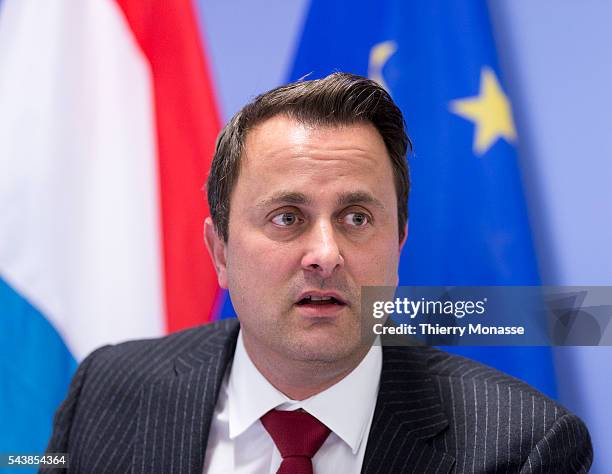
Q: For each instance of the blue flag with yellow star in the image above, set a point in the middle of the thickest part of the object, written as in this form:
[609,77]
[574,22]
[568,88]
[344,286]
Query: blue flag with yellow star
[468,217]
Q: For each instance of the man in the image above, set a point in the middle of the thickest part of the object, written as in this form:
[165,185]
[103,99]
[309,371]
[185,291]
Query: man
[308,194]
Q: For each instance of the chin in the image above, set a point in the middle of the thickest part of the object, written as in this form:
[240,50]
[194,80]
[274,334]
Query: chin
[324,349]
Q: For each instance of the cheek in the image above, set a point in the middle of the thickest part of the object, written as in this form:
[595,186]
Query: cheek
[377,265]
[259,278]
[257,261]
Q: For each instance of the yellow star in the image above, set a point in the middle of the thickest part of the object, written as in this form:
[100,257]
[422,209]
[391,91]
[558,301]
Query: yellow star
[379,55]
[490,111]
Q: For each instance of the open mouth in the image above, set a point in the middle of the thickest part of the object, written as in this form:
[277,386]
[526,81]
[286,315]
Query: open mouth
[320,301]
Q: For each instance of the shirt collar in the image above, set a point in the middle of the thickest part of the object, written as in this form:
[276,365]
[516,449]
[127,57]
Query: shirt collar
[345,408]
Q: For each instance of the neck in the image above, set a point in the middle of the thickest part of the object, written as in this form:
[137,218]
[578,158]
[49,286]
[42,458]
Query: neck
[302,379]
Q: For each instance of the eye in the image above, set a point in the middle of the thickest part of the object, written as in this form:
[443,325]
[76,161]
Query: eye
[285,219]
[357,219]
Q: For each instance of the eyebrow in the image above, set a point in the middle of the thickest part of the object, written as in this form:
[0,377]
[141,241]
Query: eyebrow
[358,197]
[284,197]
[345,199]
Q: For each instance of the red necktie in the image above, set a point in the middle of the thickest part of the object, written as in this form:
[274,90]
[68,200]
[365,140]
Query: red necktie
[298,436]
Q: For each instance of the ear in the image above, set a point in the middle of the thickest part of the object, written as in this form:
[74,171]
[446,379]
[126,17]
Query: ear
[217,249]
[401,245]
[399,251]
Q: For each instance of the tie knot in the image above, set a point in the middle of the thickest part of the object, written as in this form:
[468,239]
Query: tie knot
[295,433]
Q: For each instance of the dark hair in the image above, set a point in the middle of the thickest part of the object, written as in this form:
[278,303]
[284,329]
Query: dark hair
[338,99]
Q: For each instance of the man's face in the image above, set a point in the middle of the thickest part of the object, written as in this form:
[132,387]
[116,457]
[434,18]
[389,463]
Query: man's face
[313,216]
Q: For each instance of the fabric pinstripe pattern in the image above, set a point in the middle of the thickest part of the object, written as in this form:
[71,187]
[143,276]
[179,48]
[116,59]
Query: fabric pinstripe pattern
[146,407]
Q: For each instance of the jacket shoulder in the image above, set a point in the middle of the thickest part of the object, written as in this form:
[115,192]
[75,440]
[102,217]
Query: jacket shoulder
[456,369]
[152,358]
[496,418]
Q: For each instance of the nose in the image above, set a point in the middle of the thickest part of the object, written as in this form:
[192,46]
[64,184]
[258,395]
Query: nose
[322,255]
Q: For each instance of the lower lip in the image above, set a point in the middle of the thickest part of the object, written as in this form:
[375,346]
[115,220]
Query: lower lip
[319,310]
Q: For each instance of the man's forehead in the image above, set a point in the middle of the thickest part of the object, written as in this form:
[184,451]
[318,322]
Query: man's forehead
[288,163]
[283,130]
[313,124]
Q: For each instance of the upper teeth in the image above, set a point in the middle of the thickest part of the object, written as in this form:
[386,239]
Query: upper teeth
[320,298]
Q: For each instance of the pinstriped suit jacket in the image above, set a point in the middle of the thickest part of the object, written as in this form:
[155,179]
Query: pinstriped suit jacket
[146,407]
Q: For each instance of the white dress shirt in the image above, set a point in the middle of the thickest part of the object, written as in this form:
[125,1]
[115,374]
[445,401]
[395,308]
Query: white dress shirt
[239,444]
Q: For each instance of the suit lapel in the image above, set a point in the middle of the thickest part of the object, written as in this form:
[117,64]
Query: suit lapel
[408,413]
[175,411]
